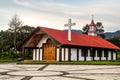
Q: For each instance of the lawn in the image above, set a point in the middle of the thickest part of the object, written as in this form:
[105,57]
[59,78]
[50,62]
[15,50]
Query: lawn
[76,63]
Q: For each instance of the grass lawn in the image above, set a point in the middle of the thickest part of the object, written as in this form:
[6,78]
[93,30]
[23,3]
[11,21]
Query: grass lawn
[7,61]
[76,63]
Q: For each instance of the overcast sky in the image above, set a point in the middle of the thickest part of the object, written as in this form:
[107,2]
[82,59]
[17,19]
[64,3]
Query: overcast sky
[55,13]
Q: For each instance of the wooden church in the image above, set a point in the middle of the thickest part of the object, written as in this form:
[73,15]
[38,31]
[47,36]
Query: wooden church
[48,44]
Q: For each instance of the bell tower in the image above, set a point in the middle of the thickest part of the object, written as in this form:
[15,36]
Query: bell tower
[92,28]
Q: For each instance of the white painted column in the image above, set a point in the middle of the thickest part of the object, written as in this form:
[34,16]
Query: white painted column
[33,54]
[63,54]
[66,54]
[103,55]
[88,58]
[114,56]
[37,54]
[80,57]
[109,55]
[57,54]
[41,54]
[96,57]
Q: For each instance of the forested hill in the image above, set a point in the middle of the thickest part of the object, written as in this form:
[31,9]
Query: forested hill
[107,34]
[112,34]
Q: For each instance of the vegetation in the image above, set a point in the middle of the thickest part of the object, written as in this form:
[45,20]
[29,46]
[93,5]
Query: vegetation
[115,40]
[12,38]
[99,29]
[15,24]
[76,63]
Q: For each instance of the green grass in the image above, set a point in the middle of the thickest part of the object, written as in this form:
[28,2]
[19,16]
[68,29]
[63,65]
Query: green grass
[7,61]
[118,55]
[76,63]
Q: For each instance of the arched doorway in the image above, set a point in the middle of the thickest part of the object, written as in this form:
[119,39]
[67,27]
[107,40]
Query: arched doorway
[49,51]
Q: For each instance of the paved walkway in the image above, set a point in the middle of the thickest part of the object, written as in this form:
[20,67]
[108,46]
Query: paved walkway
[59,72]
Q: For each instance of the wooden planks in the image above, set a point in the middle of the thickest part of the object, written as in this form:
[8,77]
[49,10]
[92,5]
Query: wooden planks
[49,52]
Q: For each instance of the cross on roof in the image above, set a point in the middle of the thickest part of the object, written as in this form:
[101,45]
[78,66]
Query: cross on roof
[69,28]
[70,23]
[92,16]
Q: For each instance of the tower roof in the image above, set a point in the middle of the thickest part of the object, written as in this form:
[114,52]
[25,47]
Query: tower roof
[92,23]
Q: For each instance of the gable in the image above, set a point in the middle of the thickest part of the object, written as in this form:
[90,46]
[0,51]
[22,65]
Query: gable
[37,38]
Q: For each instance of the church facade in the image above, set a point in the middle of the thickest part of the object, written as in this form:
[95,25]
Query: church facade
[48,44]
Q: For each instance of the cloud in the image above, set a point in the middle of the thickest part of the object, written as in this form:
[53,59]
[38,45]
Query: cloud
[56,12]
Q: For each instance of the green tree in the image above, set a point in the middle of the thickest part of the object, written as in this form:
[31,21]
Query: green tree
[100,30]
[15,23]
[115,40]
[7,44]
[85,29]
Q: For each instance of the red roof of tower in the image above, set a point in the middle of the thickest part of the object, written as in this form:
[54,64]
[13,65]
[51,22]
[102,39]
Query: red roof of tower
[79,39]
[92,23]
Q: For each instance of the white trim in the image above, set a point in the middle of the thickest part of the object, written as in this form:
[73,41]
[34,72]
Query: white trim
[43,40]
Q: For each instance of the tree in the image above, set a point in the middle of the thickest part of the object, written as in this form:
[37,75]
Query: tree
[15,23]
[100,30]
[85,29]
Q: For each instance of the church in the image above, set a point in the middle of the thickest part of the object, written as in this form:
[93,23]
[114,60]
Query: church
[47,44]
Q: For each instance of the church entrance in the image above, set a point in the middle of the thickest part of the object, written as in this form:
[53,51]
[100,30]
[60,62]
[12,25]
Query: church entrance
[49,52]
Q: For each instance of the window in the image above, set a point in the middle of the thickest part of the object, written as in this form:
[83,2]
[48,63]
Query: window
[105,53]
[99,53]
[92,53]
[84,52]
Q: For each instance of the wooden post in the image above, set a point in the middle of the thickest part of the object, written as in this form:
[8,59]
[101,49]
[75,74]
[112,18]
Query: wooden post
[60,53]
[39,54]
[23,53]
[84,55]
[77,54]
[112,55]
[69,54]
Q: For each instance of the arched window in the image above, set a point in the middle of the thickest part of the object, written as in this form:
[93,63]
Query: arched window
[49,41]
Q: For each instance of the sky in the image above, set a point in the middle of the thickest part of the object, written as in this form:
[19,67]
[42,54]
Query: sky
[55,13]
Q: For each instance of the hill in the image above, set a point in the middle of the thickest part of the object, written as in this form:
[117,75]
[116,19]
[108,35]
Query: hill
[107,34]
[112,34]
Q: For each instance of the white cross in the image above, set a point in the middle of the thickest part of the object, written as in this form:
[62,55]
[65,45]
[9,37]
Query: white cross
[92,16]
[69,28]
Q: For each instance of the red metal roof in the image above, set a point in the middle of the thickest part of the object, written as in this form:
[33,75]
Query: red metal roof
[92,23]
[78,39]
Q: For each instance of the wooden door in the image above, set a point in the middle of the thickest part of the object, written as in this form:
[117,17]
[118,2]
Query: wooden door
[49,52]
